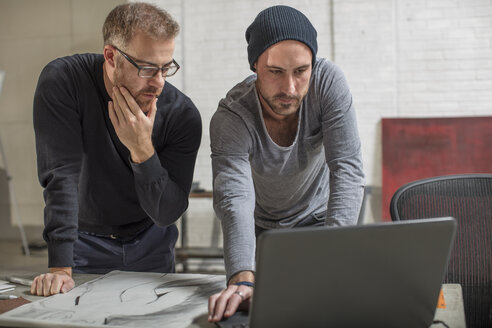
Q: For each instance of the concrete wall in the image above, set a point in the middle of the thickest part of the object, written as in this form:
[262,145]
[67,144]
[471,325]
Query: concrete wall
[402,58]
[32,33]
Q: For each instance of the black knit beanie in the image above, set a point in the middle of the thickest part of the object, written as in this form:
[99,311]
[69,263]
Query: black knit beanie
[275,24]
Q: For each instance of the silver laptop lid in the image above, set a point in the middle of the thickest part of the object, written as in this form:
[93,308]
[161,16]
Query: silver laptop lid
[380,275]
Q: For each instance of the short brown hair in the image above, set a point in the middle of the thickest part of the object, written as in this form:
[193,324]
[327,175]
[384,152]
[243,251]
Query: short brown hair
[125,20]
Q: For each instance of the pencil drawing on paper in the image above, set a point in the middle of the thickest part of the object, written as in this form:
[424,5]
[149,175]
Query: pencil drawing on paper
[127,299]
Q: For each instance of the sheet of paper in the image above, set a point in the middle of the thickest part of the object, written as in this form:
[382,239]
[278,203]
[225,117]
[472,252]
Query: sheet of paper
[5,286]
[124,299]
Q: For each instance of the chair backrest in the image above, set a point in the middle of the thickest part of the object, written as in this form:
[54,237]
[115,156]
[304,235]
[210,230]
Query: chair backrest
[467,198]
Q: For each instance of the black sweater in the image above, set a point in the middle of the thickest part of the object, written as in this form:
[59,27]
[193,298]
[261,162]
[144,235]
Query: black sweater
[89,182]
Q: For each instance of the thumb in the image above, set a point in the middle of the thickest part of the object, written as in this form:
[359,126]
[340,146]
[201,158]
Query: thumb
[68,285]
[153,110]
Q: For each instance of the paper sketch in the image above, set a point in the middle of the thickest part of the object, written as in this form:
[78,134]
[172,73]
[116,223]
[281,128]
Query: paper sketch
[125,299]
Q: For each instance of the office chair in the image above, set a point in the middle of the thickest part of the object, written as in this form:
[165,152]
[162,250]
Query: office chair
[467,198]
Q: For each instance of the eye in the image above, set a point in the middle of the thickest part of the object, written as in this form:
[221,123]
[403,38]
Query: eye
[300,71]
[275,71]
[148,71]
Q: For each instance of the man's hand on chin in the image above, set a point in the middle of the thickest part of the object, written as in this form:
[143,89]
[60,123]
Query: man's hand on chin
[132,125]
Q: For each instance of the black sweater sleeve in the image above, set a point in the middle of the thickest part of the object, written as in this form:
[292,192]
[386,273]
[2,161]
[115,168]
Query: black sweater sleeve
[163,182]
[59,156]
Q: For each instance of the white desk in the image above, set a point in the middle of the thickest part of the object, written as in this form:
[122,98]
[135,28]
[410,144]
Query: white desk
[454,313]
[130,299]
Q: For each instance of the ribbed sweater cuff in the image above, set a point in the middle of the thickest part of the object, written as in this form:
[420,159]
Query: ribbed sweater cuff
[60,254]
[149,170]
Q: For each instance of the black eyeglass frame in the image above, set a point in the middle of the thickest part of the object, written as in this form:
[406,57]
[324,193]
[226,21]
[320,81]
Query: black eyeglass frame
[164,69]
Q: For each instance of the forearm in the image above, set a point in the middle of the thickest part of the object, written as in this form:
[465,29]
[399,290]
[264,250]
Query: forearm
[239,247]
[61,210]
[242,276]
[234,193]
[234,204]
[60,213]
[346,193]
[143,153]
[60,253]
[162,198]
[66,270]
[344,159]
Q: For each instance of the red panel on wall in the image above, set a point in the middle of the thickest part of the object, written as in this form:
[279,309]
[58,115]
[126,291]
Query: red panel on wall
[417,148]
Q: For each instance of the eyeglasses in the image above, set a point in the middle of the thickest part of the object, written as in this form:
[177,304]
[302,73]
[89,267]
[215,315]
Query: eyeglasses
[150,71]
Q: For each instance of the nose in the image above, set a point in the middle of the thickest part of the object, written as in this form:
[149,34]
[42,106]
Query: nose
[288,85]
[157,80]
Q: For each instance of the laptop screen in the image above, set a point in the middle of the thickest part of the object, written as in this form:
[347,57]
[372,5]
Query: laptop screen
[385,274]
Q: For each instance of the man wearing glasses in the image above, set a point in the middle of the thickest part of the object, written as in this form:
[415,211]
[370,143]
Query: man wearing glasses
[116,149]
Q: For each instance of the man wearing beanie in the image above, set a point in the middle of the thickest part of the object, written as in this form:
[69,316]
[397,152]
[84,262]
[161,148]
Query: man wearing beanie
[285,148]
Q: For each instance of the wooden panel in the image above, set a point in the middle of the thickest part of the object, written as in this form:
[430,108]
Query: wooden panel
[417,148]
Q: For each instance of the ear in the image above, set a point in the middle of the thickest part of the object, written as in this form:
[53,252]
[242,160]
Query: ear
[109,52]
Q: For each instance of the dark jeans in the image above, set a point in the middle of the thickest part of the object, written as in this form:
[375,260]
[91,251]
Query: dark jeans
[150,251]
[314,220]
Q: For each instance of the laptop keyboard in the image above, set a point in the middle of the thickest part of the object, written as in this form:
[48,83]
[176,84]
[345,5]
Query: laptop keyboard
[237,320]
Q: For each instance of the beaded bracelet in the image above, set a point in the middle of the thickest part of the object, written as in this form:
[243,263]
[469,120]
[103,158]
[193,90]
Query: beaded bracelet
[245,283]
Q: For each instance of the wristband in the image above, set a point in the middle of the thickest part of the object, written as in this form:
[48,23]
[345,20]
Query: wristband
[245,283]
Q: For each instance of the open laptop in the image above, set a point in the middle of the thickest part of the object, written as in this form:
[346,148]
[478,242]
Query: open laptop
[378,275]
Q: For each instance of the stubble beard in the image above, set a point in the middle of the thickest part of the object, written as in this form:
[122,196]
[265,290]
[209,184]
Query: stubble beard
[145,104]
[282,109]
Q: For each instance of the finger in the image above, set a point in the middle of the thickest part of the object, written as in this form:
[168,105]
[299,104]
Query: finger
[112,114]
[39,285]
[241,295]
[220,307]
[120,105]
[47,284]
[118,112]
[215,314]
[153,110]
[233,304]
[68,285]
[222,302]
[56,284]
[211,305]
[130,101]
[33,285]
